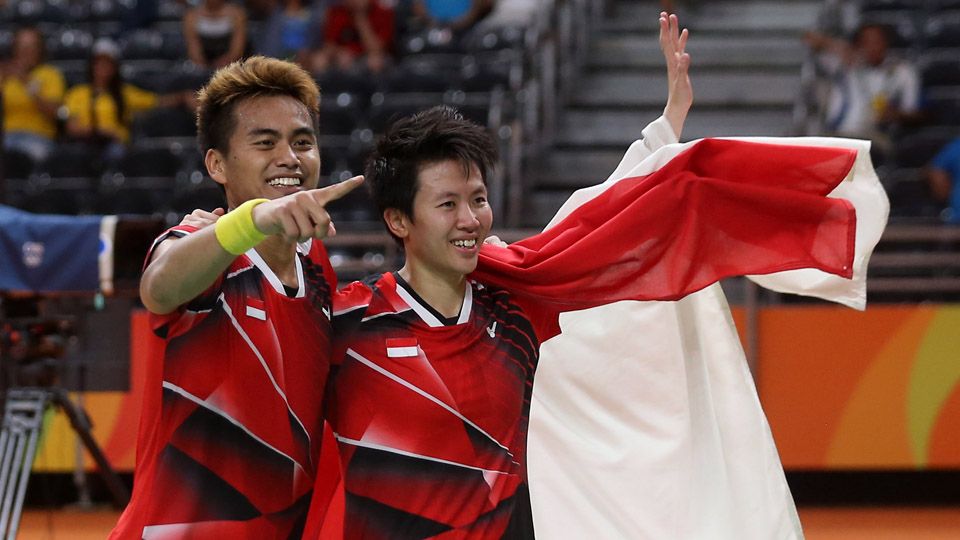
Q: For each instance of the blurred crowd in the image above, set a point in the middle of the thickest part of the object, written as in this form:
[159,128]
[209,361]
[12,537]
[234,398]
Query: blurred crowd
[91,90]
[889,71]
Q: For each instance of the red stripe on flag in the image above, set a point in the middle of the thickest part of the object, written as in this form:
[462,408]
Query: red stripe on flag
[721,208]
[401,342]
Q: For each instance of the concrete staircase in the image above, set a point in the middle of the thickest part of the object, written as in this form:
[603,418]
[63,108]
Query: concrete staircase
[746,73]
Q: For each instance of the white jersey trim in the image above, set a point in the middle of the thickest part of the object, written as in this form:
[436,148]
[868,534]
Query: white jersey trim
[403,382]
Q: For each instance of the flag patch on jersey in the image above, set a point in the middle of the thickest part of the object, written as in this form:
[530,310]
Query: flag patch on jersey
[402,347]
[256,309]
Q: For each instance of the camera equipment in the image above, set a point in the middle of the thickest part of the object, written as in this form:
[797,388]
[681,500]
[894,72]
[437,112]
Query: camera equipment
[31,354]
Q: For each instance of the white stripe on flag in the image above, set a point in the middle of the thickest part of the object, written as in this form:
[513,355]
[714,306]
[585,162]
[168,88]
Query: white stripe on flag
[256,313]
[401,352]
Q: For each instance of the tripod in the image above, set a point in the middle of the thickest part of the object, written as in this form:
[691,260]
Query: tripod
[22,422]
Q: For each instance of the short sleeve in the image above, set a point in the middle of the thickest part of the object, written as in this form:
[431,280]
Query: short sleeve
[138,99]
[52,84]
[192,313]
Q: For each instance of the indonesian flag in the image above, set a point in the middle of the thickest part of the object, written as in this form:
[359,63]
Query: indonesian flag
[645,421]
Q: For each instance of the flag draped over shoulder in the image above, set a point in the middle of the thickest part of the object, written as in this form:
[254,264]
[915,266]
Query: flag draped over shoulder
[645,421]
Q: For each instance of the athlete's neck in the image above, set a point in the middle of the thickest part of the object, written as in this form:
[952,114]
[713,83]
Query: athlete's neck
[280,255]
[443,293]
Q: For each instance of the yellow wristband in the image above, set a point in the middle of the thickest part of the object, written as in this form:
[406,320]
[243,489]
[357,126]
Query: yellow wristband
[235,230]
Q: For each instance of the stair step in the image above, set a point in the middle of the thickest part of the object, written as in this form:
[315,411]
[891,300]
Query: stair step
[542,206]
[755,16]
[575,168]
[634,51]
[719,87]
[618,128]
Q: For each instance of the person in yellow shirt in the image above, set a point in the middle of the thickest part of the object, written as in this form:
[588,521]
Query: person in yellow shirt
[32,94]
[101,111]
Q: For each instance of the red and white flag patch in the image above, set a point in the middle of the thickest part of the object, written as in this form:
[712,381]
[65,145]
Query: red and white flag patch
[256,309]
[402,347]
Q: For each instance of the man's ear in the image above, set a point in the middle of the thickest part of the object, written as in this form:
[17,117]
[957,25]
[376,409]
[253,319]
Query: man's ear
[214,162]
[397,222]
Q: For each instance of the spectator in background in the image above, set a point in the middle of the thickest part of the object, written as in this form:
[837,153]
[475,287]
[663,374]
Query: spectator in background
[215,32]
[457,15]
[32,94]
[356,31]
[943,176]
[100,112]
[292,30]
[872,92]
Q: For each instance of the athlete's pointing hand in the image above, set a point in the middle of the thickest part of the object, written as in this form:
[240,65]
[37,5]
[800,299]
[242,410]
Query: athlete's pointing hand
[302,215]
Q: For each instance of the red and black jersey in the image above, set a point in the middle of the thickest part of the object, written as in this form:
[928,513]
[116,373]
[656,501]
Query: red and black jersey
[430,414]
[230,431]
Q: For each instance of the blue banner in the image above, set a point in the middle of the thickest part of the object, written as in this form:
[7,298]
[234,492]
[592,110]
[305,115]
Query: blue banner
[50,253]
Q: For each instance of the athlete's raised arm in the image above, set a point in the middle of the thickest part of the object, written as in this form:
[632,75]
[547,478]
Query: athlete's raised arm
[673,43]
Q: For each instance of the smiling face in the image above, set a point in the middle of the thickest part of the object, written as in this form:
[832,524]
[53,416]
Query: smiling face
[451,218]
[272,151]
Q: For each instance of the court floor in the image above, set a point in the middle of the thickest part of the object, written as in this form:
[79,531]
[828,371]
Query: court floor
[819,524]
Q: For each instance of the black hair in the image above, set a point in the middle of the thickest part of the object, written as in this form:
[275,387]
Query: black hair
[431,136]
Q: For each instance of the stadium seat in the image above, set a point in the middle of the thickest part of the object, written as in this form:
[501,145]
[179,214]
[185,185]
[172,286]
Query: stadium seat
[142,43]
[335,82]
[147,161]
[70,44]
[943,30]
[484,72]
[36,12]
[941,69]
[943,5]
[68,196]
[910,196]
[17,164]
[417,77]
[388,107]
[164,122]
[916,150]
[902,24]
[943,107]
[153,75]
[484,38]
[73,160]
[886,5]
[354,206]
[6,43]
[340,114]
[431,40]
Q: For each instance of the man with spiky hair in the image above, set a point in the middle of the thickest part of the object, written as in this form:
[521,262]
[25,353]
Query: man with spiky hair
[231,425]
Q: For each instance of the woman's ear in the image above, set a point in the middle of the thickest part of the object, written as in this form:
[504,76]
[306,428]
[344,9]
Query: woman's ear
[396,222]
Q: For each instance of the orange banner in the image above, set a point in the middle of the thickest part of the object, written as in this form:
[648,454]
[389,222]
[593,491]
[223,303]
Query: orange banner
[842,389]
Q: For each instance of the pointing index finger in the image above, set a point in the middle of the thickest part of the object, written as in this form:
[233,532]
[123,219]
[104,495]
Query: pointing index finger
[336,191]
